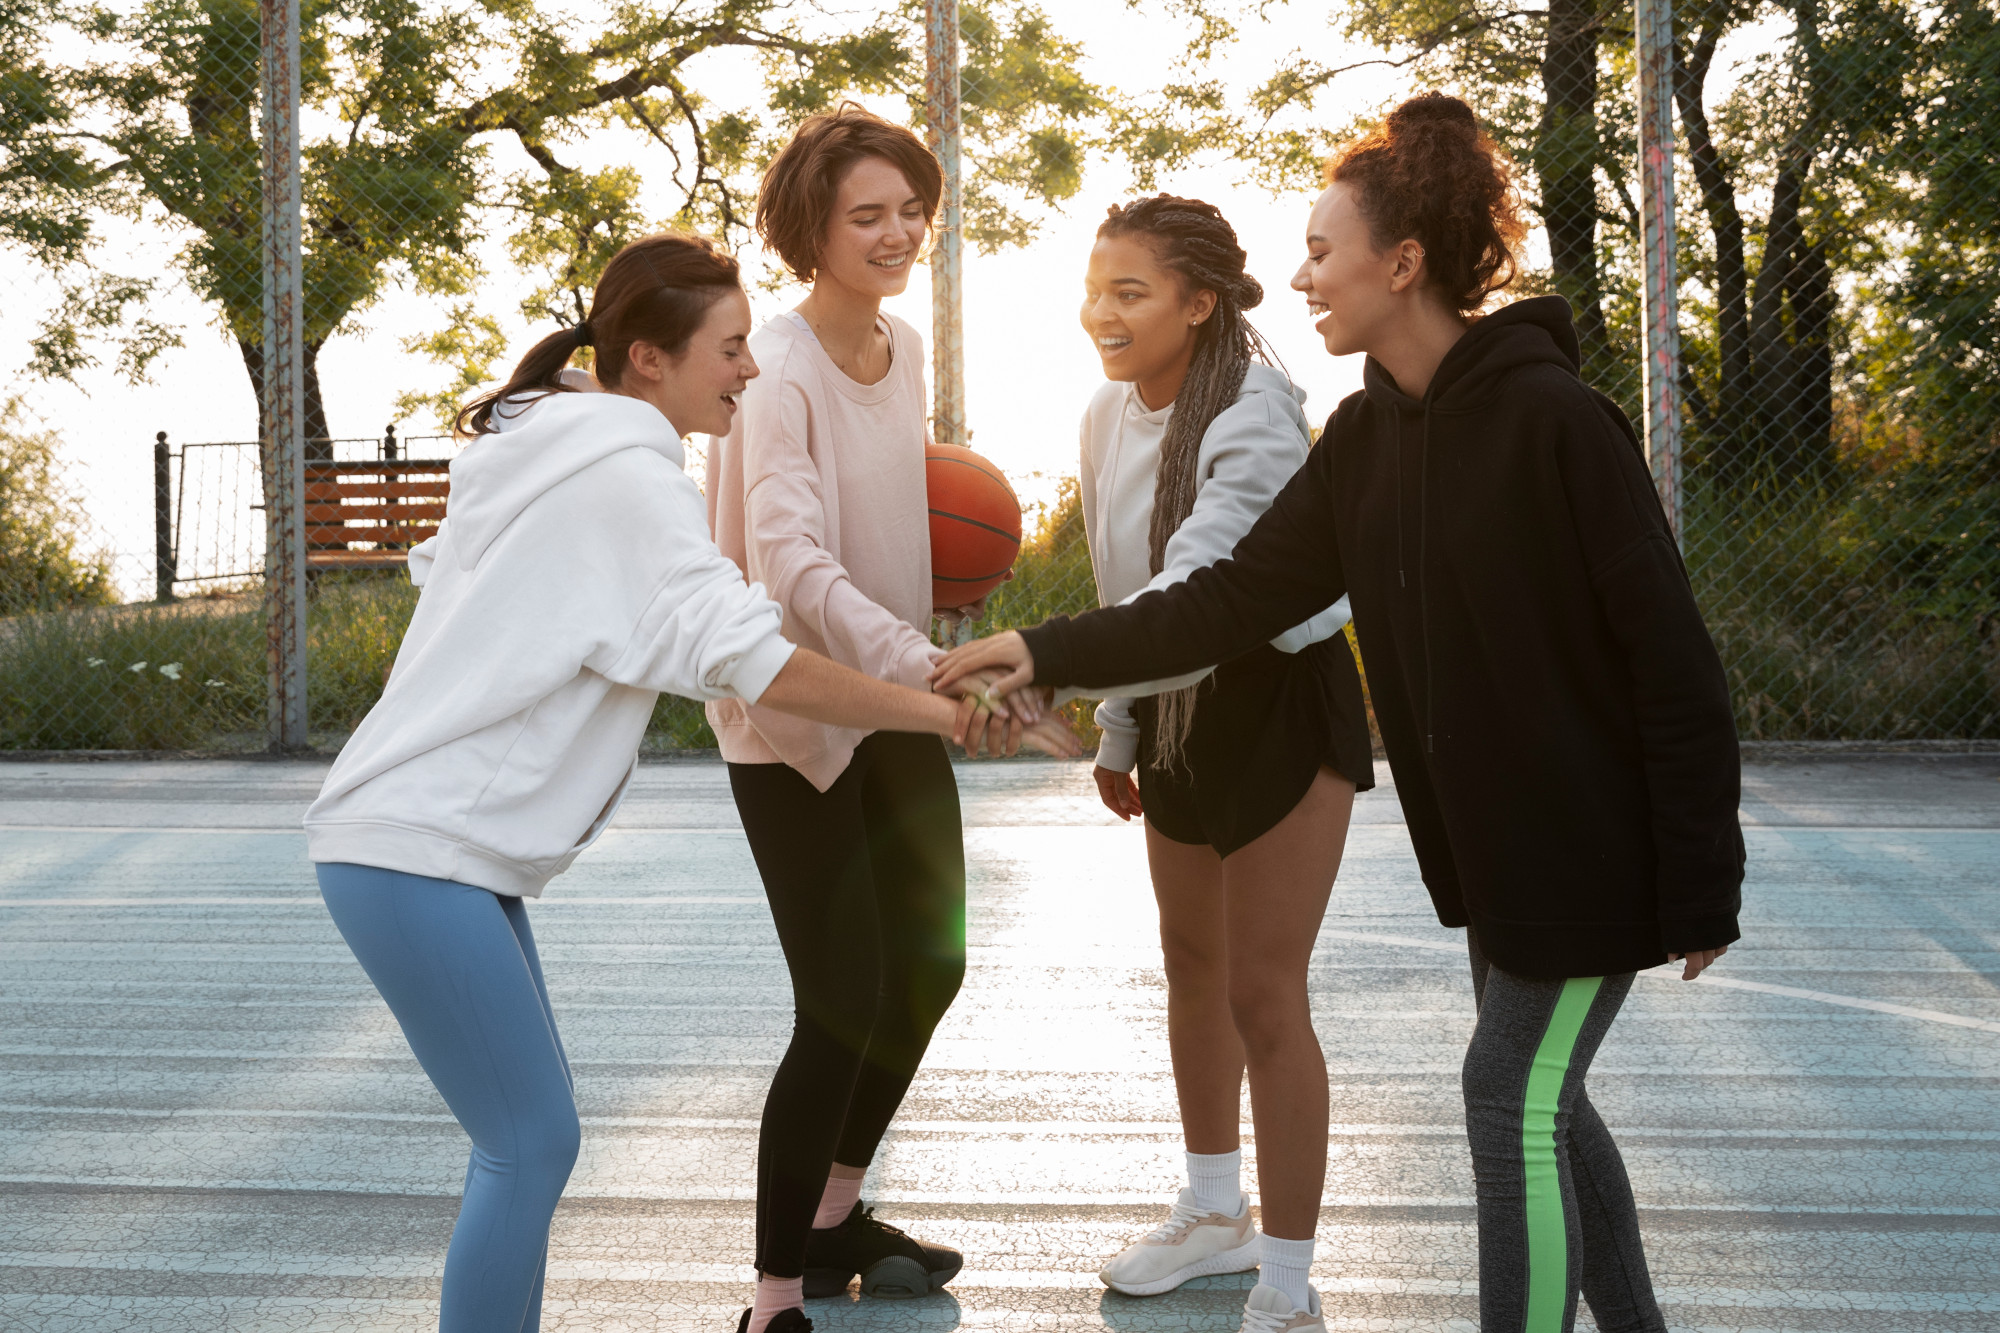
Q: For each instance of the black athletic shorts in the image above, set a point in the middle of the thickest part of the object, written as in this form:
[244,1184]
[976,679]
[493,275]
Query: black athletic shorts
[1264,723]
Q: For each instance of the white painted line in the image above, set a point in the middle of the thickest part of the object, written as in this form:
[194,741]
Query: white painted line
[1671,972]
[146,828]
[971,1130]
[1359,826]
[258,898]
[1140,1198]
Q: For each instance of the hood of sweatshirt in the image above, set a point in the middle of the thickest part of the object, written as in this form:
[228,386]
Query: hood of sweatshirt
[1535,331]
[1260,378]
[539,444]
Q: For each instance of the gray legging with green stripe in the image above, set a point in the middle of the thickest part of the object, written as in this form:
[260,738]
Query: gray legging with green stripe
[1555,1208]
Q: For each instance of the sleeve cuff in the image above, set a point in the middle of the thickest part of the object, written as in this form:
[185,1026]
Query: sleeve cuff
[756,669]
[1692,933]
[1117,747]
[914,668]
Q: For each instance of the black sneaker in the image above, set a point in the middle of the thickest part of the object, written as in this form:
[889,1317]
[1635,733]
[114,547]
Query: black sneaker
[785,1321]
[893,1265]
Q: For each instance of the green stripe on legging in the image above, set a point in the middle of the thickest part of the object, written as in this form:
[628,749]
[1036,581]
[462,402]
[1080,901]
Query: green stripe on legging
[1548,1234]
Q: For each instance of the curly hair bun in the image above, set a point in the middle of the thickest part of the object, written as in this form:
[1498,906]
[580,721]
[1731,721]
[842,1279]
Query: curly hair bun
[1433,109]
[1430,174]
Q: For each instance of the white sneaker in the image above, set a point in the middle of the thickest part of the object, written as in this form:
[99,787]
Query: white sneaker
[1193,1242]
[1270,1311]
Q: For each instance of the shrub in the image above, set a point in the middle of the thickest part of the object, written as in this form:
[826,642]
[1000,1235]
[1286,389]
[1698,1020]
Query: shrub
[41,566]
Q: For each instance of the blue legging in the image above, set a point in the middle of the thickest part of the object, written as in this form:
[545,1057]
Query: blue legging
[457,966]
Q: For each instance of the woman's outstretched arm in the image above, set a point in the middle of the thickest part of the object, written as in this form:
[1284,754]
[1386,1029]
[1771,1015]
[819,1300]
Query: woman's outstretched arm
[1286,570]
[822,690]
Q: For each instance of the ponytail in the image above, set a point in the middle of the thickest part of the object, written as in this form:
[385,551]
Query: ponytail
[656,290]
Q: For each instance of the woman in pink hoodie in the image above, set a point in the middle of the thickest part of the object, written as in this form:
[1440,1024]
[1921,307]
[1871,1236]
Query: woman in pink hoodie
[818,492]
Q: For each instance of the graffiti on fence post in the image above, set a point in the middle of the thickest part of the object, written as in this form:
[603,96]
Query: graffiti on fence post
[1654,35]
[284,407]
[941,132]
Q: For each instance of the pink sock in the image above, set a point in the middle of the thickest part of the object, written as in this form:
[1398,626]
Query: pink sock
[838,1201]
[775,1295]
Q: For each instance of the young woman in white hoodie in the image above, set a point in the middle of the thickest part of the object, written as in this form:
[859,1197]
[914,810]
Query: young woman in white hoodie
[572,583]
[1247,774]
[818,492]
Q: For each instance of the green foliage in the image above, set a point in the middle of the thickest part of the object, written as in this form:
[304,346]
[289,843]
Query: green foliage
[190,676]
[407,109]
[1865,611]
[41,565]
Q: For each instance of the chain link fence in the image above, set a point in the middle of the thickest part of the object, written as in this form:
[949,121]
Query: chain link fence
[1834,168]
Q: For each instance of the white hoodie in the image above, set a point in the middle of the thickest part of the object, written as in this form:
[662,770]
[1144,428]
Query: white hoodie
[1247,454]
[572,583]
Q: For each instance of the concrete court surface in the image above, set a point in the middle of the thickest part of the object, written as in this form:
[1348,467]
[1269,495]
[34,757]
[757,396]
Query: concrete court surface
[208,1121]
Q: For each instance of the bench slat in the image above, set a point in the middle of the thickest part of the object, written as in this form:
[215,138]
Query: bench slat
[379,466]
[357,559]
[377,490]
[329,536]
[383,513]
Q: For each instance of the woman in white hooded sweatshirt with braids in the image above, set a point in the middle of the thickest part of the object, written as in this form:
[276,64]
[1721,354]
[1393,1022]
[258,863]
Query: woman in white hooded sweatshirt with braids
[1247,774]
[573,582]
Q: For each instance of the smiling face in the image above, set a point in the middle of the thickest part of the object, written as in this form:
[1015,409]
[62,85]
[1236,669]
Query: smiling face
[1140,316]
[1354,291]
[876,231]
[697,390]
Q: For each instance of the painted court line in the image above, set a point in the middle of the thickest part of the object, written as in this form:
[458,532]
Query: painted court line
[1671,972]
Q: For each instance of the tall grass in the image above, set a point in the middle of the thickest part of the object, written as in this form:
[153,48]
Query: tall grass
[190,675]
[1864,610]
[1868,609]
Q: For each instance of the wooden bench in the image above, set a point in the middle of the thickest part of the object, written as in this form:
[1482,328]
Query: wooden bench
[367,515]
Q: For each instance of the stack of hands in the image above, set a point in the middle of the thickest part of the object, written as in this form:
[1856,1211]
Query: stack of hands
[999,705]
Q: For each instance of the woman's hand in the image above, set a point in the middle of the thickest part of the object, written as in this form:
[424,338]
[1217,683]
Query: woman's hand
[984,719]
[1119,793]
[1697,962]
[1005,655]
[1052,737]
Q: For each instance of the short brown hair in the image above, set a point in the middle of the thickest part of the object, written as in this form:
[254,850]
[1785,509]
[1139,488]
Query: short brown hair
[656,290]
[795,200]
[1429,174]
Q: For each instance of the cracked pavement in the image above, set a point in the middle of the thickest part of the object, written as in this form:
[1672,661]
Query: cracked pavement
[208,1120]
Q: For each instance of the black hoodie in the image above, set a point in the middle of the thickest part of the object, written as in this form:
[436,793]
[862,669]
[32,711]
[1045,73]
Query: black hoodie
[1555,713]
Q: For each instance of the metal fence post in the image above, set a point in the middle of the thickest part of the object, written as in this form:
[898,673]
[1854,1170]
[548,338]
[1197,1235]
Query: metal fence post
[1653,26]
[941,132]
[283,357]
[163,520]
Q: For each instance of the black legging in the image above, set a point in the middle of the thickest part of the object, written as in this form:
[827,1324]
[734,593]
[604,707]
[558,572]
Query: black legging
[867,886]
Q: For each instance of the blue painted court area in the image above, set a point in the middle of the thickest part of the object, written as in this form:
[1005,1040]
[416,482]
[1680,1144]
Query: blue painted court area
[208,1121]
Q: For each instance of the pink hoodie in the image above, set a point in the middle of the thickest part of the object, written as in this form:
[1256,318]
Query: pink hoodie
[818,494]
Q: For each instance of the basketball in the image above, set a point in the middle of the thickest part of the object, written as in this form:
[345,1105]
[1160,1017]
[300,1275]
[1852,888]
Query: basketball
[975,525]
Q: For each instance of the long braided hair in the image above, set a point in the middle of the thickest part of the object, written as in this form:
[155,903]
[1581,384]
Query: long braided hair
[1194,240]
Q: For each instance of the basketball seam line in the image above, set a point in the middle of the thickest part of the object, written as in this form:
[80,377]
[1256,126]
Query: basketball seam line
[960,518]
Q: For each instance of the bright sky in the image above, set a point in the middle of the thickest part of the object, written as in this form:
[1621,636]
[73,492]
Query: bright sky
[1030,369]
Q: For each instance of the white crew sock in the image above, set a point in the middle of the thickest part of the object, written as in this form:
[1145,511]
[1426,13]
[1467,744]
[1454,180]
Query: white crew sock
[1287,1265]
[1217,1181]
[775,1295]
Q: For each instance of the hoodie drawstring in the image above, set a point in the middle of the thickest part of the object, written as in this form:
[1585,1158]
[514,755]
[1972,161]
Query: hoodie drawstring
[1402,578]
[1423,573]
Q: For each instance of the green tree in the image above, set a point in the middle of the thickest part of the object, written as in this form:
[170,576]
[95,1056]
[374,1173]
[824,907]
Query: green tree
[1551,84]
[416,117]
[42,563]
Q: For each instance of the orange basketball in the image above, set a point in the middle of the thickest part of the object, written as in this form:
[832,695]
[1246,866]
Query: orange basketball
[975,525]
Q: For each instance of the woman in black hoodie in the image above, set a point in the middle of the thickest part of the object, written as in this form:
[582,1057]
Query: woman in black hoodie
[1553,708]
